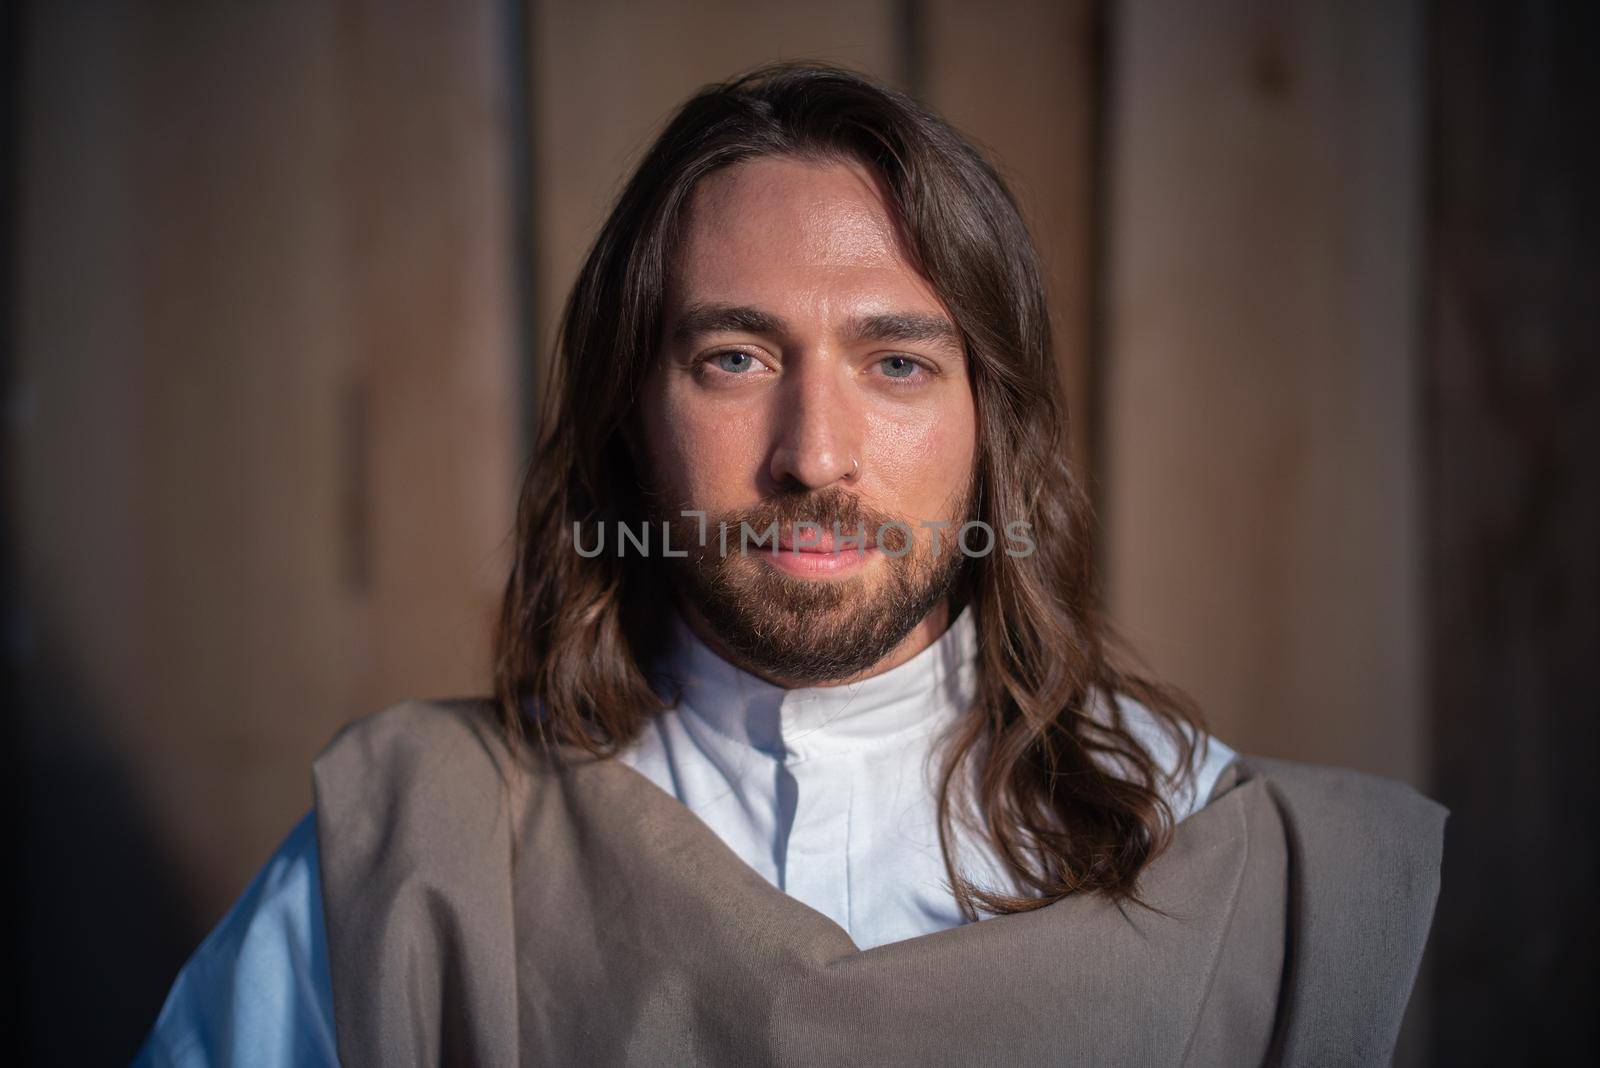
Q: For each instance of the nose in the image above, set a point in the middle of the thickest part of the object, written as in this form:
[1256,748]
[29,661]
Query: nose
[818,431]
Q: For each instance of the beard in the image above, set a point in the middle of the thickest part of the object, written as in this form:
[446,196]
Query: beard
[807,631]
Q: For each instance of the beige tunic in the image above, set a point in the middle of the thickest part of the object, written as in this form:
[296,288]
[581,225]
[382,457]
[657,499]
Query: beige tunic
[487,910]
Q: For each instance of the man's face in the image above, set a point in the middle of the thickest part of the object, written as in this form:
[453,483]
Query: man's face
[806,373]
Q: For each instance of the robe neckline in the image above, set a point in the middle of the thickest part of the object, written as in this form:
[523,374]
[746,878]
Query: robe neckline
[926,692]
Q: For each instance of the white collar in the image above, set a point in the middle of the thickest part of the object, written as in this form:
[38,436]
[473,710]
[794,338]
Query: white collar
[936,684]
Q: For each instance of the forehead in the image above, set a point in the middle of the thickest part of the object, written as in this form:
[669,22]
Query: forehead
[778,231]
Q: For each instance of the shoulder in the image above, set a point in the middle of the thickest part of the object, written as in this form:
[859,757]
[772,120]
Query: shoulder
[1354,821]
[1364,851]
[1364,857]
[416,813]
[416,729]
[416,745]
[258,989]
[1344,804]
[418,771]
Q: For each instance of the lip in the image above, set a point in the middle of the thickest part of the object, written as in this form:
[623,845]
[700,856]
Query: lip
[817,562]
[823,544]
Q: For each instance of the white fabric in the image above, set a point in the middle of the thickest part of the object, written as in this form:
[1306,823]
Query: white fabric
[830,791]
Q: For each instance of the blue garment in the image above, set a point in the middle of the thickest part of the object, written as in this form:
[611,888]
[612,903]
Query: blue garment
[258,990]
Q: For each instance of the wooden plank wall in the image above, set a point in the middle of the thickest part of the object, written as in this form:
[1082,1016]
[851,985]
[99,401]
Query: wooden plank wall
[1261,408]
[262,428]
[1264,413]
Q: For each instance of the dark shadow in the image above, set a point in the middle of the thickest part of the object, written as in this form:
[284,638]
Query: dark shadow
[103,923]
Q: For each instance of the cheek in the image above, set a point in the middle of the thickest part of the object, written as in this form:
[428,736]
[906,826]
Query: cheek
[924,461]
[704,454]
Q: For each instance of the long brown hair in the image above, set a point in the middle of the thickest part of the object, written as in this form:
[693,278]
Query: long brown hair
[1068,798]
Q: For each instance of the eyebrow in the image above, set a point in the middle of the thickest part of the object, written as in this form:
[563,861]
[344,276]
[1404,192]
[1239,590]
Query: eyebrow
[884,327]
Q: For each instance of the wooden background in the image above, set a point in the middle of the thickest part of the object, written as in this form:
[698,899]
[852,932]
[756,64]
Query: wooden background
[283,280]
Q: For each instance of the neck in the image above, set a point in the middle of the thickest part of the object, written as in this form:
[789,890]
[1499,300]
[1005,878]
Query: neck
[924,634]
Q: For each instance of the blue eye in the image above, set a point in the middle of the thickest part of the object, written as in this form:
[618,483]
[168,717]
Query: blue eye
[899,366]
[734,362]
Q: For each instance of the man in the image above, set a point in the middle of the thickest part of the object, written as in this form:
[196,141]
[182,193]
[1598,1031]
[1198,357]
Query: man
[799,673]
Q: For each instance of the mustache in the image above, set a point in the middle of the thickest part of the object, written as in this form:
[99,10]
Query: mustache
[829,510]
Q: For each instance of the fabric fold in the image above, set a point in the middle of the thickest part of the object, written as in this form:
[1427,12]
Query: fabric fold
[490,910]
